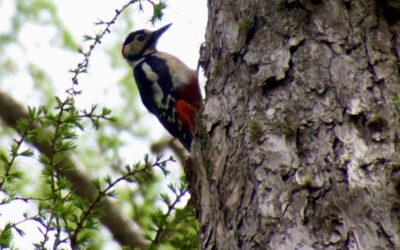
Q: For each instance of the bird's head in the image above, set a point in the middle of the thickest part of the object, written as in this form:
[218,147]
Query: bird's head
[141,42]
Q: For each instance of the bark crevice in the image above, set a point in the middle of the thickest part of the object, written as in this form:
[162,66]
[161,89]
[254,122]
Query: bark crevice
[307,135]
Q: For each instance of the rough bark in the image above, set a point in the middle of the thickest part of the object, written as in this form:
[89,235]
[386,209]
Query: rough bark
[298,145]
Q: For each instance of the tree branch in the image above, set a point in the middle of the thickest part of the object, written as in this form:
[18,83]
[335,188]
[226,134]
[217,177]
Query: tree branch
[125,231]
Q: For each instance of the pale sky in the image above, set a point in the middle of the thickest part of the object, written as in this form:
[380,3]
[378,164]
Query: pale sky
[183,40]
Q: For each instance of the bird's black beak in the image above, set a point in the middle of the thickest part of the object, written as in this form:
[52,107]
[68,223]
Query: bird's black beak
[157,33]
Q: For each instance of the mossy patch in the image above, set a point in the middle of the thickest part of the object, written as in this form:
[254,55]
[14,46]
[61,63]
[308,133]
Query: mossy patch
[255,128]
[287,128]
[245,24]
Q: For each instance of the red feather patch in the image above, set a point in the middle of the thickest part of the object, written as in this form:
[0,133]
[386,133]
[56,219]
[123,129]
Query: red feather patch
[186,114]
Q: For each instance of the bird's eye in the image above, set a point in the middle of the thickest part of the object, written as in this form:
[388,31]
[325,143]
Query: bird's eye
[140,37]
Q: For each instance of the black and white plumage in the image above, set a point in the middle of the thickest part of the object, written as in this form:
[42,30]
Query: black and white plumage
[167,87]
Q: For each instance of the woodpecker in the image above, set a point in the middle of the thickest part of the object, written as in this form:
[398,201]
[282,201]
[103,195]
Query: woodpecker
[168,88]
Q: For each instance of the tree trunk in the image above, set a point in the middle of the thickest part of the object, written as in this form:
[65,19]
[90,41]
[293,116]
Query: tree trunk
[298,144]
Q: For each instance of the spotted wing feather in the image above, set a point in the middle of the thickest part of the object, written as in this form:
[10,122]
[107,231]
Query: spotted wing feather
[163,104]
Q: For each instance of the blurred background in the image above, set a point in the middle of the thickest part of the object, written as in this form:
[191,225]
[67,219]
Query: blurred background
[39,40]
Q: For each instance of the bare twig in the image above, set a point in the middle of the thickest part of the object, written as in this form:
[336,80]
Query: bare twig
[125,231]
[105,192]
[83,65]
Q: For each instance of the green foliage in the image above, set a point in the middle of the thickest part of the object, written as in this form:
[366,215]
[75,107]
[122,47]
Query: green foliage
[39,12]
[64,219]
[176,227]
[32,11]
[158,11]
[59,209]
[41,81]
[8,174]
[6,236]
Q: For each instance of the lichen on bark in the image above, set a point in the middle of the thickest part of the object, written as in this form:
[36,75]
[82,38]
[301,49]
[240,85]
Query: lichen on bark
[328,72]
